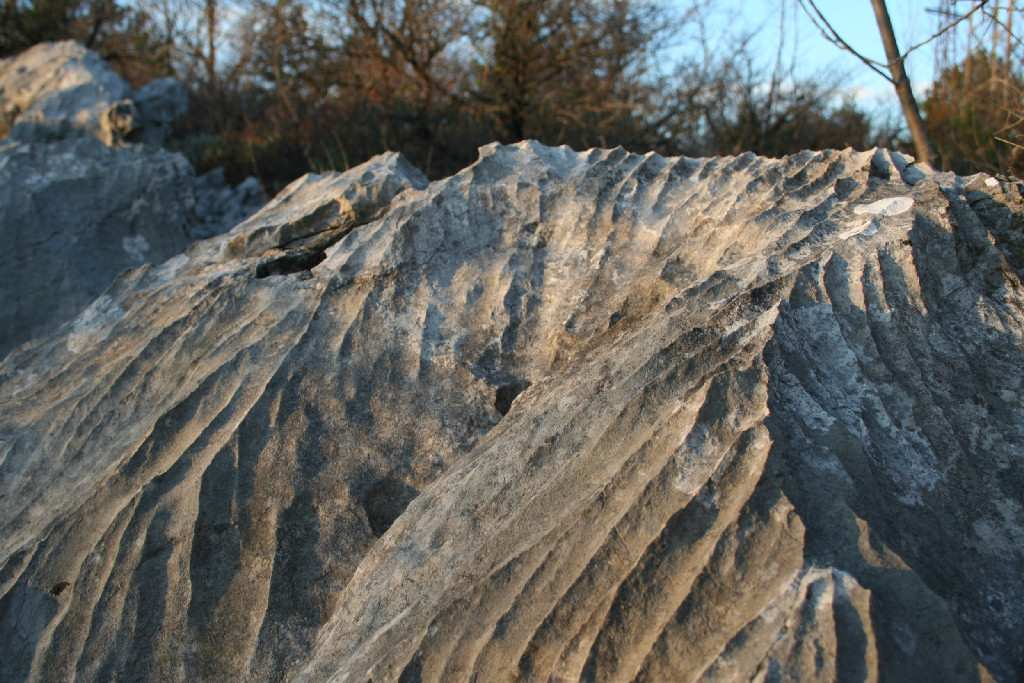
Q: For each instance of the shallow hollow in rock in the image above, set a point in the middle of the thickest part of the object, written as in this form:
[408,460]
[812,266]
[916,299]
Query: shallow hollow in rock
[384,502]
[507,393]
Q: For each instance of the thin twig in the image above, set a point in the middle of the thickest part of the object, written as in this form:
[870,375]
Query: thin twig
[832,36]
[944,29]
[1006,28]
[1009,142]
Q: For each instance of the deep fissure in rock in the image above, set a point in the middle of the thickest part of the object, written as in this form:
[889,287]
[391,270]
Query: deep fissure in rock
[289,263]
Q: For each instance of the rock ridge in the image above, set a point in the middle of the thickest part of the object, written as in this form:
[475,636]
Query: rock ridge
[561,416]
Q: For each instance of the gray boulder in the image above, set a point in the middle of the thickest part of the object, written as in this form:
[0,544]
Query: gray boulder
[77,204]
[562,416]
[75,213]
[55,90]
[160,103]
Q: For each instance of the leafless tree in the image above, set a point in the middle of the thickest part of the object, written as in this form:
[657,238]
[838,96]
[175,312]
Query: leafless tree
[901,82]
[893,69]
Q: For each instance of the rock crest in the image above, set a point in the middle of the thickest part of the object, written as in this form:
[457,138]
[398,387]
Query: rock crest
[564,415]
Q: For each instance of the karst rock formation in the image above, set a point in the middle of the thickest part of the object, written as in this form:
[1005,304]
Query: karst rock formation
[562,416]
[85,189]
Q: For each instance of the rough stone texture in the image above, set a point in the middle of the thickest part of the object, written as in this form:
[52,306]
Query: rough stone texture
[59,90]
[219,206]
[160,103]
[326,205]
[74,212]
[561,416]
[54,90]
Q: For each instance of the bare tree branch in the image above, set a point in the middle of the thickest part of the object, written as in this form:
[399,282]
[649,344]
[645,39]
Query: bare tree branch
[831,35]
[944,29]
[1006,28]
[819,20]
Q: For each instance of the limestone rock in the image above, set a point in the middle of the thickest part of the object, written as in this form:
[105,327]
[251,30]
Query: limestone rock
[330,204]
[74,212]
[561,416]
[54,90]
[160,103]
[58,90]
[220,207]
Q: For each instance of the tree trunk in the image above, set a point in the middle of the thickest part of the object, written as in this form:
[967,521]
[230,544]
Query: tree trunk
[211,41]
[11,21]
[1008,68]
[902,83]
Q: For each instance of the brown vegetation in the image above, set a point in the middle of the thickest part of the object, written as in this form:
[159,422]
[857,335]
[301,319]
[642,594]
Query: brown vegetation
[279,87]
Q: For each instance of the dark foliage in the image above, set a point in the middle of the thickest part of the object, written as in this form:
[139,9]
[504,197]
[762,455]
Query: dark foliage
[281,87]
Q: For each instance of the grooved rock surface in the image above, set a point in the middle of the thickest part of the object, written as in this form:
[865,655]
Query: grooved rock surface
[330,204]
[76,207]
[561,416]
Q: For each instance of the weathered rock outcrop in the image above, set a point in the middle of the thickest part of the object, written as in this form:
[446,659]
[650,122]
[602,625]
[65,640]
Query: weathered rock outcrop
[54,91]
[561,416]
[77,206]
[58,90]
[159,104]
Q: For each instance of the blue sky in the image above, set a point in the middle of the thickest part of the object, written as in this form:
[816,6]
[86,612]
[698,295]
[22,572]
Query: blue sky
[855,21]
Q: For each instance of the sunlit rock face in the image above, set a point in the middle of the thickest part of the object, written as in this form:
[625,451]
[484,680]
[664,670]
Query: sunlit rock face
[78,203]
[562,416]
[58,90]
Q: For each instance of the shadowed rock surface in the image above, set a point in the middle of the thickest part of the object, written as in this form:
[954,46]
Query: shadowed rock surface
[77,206]
[561,416]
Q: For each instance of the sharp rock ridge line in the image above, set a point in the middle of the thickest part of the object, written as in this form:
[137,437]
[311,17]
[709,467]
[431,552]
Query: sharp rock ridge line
[563,415]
